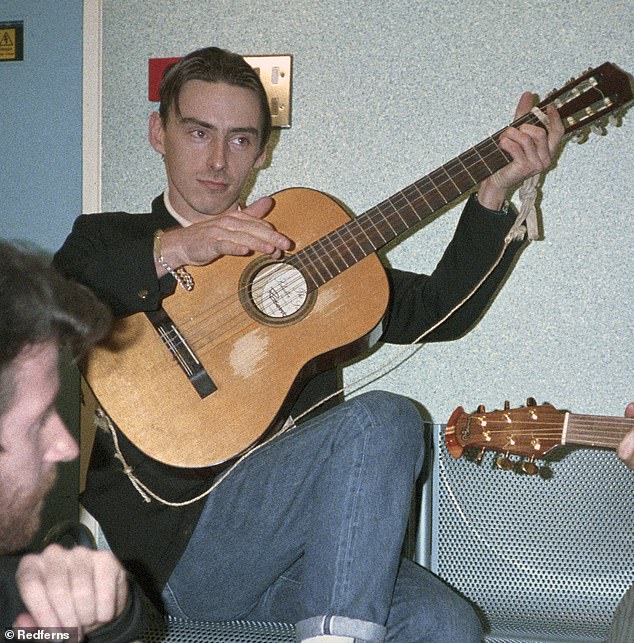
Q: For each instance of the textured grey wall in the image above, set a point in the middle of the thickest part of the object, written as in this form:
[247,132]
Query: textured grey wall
[383,93]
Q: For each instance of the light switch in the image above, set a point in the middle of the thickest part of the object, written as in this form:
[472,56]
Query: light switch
[276,74]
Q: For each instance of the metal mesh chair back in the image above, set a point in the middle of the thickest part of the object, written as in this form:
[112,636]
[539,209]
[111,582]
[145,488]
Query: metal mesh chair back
[544,557]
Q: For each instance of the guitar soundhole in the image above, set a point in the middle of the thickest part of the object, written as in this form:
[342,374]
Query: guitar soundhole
[275,293]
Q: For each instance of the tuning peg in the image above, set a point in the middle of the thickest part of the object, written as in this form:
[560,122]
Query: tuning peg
[481,408]
[531,401]
[529,467]
[478,458]
[503,462]
[581,136]
[507,405]
[616,119]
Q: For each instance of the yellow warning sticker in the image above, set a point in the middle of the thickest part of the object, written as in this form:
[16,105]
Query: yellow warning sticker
[7,44]
[11,47]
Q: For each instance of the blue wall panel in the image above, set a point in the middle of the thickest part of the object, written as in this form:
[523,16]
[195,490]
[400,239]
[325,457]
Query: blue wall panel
[40,123]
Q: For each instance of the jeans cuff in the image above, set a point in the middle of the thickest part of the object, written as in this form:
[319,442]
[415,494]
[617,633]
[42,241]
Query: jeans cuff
[361,631]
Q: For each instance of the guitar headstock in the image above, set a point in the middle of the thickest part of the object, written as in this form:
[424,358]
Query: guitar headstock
[531,431]
[599,95]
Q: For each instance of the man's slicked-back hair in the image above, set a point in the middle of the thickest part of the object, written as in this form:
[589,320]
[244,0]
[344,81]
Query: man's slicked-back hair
[213,65]
[38,305]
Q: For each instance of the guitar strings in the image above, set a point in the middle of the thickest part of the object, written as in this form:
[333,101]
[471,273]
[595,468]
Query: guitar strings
[527,118]
[606,424]
[581,430]
[343,241]
[232,303]
[346,229]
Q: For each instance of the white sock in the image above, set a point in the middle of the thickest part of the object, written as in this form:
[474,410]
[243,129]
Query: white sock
[328,638]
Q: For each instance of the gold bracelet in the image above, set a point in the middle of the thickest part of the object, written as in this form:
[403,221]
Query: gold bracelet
[183,278]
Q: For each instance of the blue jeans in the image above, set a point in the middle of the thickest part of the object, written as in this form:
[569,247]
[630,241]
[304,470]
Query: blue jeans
[309,530]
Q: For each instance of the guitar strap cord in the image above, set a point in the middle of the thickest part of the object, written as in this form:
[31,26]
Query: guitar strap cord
[525,226]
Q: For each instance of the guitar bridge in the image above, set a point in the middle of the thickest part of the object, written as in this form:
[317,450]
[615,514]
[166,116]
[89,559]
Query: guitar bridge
[182,352]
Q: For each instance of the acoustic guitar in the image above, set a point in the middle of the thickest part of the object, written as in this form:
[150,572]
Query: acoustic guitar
[532,431]
[215,369]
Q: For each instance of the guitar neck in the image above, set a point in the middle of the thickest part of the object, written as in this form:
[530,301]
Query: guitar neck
[370,231]
[596,430]
[591,97]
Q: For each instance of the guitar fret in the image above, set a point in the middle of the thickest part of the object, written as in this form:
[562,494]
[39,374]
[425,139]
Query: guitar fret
[401,205]
[466,169]
[365,232]
[458,191]
[322,257]
[445,199]
[372,247]
[409,214]
[395,223]
[422,194]
[313,259]
[363,243]
[462,178]
[435,198]
[498,155]
[490,171]
[301,262]
[375,228]
[328,258]
[407,210]
[477,169]
[297,261]
[386,217]
[307,267]
[337,248]
[397,228]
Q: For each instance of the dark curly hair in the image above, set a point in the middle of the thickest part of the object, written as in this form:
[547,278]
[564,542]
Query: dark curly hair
[37,305]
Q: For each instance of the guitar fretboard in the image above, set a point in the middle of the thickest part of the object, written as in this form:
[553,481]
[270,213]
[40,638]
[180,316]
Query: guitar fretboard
[592,96]
[332,254]
[597,430]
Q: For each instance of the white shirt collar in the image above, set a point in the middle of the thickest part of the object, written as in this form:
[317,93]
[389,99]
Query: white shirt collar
[170,208]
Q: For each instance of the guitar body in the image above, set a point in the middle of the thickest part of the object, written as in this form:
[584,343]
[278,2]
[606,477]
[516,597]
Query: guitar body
[258,365]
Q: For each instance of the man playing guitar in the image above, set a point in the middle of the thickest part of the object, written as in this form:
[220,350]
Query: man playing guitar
[308,528]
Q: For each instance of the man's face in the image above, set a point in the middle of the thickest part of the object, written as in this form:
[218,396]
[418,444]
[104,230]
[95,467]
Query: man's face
[33,439]
[210,148]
